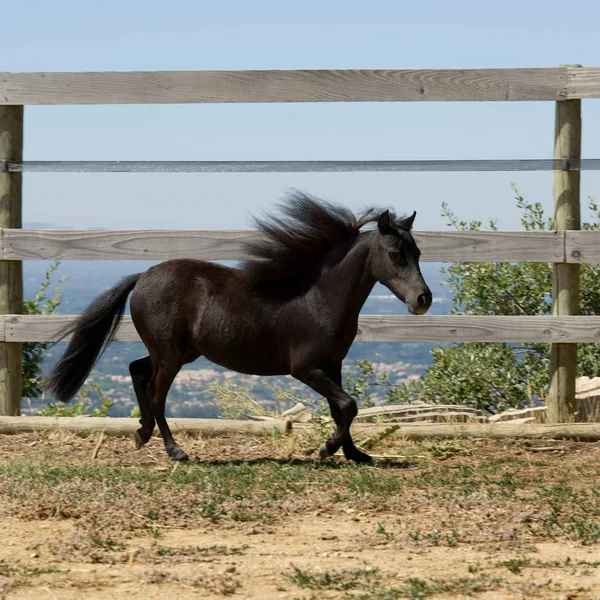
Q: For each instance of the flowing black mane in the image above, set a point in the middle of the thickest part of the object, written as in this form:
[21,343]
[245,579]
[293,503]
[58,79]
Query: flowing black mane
[307,229]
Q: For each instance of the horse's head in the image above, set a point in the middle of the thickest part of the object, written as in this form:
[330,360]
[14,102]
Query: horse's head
[395,262]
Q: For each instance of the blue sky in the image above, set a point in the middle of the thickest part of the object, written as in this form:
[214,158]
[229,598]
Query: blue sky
[178,35]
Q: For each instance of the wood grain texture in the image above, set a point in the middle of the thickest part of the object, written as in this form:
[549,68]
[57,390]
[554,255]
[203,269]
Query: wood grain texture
[54,244]
[583,82]
[589,432]
[475,246]
[11,274]
[35,328]
[378,328]
[467,328]
[217,427]
[562,403]
[582,246]
[124,426]
[283,86]
[487,246]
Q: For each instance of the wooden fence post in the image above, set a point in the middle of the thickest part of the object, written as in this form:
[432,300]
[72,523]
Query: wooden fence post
[11,274]
[562,404]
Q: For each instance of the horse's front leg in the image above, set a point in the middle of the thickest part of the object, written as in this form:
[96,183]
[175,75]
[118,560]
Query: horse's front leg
[351,452]
[343,410]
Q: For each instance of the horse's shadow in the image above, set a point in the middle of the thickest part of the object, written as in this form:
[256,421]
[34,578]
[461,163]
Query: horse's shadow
[387,463]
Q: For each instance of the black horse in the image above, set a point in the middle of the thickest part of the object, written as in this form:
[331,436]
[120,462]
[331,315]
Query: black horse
[291,308]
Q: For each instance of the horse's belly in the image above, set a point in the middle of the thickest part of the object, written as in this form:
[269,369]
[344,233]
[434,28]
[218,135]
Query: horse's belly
[254,357]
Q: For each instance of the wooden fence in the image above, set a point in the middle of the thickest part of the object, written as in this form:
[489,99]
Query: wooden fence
[565,248]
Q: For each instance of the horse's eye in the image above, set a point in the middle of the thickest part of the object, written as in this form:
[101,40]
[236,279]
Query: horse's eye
[393,254]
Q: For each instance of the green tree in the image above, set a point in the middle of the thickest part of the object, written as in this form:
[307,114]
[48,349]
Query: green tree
[497,376]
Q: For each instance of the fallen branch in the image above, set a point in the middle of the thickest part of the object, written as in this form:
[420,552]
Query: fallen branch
[378,437]
[97,446]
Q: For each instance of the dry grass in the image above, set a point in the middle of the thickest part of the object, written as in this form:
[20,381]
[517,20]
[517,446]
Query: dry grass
[503,499]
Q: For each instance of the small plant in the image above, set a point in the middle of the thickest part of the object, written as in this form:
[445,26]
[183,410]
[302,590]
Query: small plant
[82,405]
[516,565]
[35,352]
[236,401]
[336,579]
[444,449]
[381,530]
[110,545]
[452,539]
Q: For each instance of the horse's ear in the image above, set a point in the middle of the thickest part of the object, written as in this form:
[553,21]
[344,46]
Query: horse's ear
[384,223]
[407,223]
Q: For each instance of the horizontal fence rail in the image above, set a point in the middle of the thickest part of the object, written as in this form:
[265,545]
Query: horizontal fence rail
[297,166]
[163,87]
[371,328]
[436,246]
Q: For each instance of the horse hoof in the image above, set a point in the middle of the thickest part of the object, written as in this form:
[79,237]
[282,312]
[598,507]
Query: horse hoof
[359,457]
[178,454]
[139,440]
[323,452]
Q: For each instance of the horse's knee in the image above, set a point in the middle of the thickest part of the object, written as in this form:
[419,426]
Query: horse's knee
[348,407]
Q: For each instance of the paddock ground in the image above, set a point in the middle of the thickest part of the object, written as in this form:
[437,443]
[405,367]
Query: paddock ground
[257,517]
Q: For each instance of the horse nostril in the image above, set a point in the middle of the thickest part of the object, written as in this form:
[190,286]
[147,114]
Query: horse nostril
[422,300]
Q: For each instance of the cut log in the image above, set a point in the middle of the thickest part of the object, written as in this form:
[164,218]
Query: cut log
[589,432]
[127,426]
[218,427]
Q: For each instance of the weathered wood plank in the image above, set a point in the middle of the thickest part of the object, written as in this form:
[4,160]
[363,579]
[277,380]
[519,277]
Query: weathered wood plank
[55,244]
[123,426]
[475,246]
[11,274]
[283,86]
[583,82]
[379,328]
[490,246]
[582,246]
[468,328]
[589,432]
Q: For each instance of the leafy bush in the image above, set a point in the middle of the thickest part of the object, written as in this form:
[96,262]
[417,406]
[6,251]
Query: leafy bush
[83,405]
[497,376]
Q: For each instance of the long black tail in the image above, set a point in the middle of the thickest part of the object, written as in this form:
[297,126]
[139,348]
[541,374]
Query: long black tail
[92,332]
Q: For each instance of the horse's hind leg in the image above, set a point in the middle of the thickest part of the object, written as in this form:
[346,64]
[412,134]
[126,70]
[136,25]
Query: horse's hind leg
[164,374]
[141,376]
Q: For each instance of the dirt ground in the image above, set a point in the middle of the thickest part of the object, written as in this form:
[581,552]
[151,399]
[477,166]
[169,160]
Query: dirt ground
[254,518]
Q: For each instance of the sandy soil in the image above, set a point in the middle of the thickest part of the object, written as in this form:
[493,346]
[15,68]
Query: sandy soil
[262,560]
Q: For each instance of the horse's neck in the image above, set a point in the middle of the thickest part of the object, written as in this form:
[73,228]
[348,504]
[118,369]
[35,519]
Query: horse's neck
[349,282]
